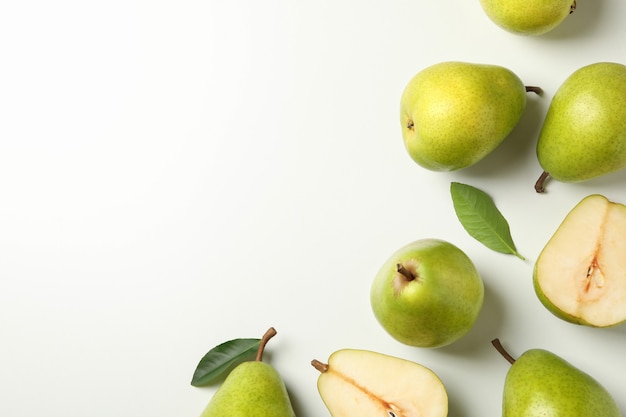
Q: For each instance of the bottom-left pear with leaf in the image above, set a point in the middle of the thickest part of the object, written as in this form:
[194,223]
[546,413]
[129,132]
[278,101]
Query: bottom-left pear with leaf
[252,389]
[362,383]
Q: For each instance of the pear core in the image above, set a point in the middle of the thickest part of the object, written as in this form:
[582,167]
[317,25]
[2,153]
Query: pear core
[580,275]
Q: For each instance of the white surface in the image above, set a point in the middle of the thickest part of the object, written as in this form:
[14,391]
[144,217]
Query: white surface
[175,174]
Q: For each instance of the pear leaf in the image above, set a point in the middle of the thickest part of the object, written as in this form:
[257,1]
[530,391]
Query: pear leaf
[480,217]
[223,358]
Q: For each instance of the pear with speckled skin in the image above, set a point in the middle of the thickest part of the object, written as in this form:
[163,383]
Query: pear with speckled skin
[542,384]
[584,132]
[528,17]
[427,294]
[453,114]
[252,388]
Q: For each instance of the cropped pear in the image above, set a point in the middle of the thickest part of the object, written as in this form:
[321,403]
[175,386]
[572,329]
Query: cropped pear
[584,132]
[540,384]
[528,17]
[252,389]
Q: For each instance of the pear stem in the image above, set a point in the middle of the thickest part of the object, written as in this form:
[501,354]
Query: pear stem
[322,367]
[540,186]
[405,272]
[496,343]
[534,89]
[271,332]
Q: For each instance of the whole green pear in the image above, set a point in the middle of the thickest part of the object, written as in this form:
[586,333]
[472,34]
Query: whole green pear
[528,17]
[251,389]
[584,132]
[542,384]
[455,113]
[427,294]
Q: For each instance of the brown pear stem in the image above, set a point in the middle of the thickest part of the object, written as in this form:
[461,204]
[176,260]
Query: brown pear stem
[540,185]
[271,332]
[320,366]
[405,272]
[534,89]
[496,343]
[572,7]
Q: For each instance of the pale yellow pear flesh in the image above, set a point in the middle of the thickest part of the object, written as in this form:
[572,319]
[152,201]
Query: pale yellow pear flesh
[361,383]
[580,275]
[453,114]
[528,17]
[252,389]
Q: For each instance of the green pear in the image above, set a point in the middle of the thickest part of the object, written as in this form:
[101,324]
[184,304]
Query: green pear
[455,113]
[579,274]
[427,294]
[542,384]
[528,17]
[370,384]
[584,132]
[251,389]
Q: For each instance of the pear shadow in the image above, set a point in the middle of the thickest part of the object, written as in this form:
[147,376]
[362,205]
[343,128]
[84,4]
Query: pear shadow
[619,330]
[296,404]
[490,321]
[511,154]
[581,23]
[616,331]
[456,408]
[593,186]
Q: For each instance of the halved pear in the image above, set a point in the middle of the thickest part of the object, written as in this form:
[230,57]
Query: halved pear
[362,383]
[580,275]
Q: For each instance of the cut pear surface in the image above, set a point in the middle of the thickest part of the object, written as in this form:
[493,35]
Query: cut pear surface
[361,383]
[580,275]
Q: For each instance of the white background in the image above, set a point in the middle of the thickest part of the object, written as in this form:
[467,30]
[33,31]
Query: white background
[175,174]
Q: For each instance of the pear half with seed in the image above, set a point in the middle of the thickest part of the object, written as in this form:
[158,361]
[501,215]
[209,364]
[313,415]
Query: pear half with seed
[580,275]
[362,383]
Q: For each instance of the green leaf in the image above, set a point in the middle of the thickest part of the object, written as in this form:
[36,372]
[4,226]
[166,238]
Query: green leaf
[481,218]
[223,358]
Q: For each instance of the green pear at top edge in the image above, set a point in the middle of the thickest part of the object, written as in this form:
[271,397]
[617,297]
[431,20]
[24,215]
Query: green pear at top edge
[427,294]
[528,17]
[542,384]
[453,114]
[252,388]
[584,132]
[579,274]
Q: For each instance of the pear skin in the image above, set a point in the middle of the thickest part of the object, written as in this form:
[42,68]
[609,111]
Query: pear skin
[428,293]
[453,114]
[252,388]
[584,132]
[528,17]
[541,384]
